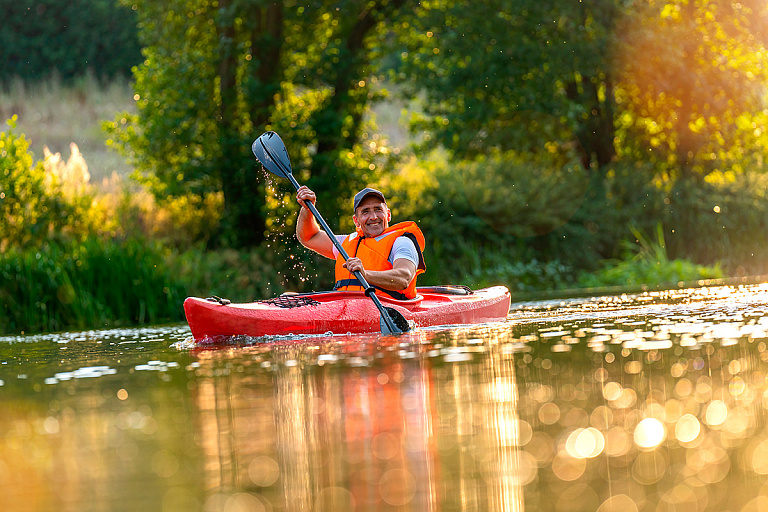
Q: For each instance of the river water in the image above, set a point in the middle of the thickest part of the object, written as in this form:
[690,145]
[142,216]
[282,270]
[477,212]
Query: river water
[645,402]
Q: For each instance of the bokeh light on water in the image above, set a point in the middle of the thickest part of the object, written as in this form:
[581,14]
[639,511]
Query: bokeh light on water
[627,403]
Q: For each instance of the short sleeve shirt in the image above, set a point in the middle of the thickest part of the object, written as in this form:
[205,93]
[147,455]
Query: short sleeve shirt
[403,248]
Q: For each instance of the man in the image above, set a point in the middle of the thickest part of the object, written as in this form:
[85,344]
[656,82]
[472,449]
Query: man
[389,257]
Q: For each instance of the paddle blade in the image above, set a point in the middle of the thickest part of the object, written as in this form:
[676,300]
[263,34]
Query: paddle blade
[271,152]
[399,322]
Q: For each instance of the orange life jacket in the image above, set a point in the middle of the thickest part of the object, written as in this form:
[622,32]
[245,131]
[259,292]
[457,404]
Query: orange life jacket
[374,253]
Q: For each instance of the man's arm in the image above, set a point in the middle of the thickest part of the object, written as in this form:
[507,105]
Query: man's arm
[397,278]
[308,230]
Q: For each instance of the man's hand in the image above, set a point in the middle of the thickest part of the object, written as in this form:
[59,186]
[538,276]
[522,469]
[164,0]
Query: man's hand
[398,278]
[307,229]
[304,195]
[355,265]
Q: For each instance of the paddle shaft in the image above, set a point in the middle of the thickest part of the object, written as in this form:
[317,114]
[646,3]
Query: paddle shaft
[369,290]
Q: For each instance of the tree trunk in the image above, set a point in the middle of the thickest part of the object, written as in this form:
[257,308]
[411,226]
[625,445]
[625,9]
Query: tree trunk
[266,74]
[596,134]
[348,102]
[244,221]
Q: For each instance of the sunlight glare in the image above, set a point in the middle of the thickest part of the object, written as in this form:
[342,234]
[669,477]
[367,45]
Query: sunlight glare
[585,443]
[716,413]
[649,433]
[687,428]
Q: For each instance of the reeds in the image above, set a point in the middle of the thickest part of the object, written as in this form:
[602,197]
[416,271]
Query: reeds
[53,115]
[83,285]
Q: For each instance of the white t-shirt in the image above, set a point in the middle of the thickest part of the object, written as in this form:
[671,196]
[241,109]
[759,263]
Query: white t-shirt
[403,248]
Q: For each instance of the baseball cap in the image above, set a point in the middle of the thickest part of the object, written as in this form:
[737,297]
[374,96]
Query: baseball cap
[363,194]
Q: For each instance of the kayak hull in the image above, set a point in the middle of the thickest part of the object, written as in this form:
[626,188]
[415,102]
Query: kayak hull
[340,313]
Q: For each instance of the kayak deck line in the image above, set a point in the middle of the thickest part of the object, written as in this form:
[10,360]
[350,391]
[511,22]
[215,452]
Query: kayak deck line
[291,301]
[342,312]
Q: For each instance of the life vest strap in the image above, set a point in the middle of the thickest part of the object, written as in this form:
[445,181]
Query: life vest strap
[355,282]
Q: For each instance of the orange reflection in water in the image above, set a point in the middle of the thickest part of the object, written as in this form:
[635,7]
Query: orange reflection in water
[379,426]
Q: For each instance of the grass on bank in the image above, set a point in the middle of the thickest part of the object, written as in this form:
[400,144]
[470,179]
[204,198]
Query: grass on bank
[53,115]
[88,284]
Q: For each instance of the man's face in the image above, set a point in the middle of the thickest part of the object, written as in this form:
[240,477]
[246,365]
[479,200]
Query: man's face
[372,216]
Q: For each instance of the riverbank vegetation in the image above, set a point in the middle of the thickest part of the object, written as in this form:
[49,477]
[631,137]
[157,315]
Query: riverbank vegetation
[597,159]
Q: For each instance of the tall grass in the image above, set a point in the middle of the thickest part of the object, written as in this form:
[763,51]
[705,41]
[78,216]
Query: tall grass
[53,115]
[91,284]
[647,261]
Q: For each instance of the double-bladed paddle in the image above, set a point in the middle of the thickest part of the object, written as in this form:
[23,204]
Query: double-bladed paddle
[271,152]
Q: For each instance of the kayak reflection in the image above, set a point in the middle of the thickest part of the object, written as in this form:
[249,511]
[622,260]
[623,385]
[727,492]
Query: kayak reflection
[366,425]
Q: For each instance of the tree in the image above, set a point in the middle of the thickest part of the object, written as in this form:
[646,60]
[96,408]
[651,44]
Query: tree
[338,123]
[66,38]
[692,84]
[219,73]
[677,81]
[517,76]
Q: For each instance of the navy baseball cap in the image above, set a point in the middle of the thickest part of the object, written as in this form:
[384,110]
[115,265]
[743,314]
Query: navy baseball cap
[365,193]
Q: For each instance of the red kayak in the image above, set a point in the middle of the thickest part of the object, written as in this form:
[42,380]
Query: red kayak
[342,312]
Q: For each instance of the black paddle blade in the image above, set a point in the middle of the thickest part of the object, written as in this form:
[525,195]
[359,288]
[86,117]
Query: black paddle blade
[271,152]
[399,321]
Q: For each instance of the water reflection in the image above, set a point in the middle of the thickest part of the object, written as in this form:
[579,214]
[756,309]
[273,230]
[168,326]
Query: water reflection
[369,424]
[629,403]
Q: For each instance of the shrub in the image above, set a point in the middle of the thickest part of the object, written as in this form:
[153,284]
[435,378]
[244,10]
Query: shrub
[647,262]
[722,220]
[498,220]
[22,198]
[45,200]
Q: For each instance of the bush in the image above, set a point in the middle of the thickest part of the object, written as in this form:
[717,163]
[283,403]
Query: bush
[23,208]
[723,220]
[479,267]
[647,262]
[241,276]
[45,200]
[537,224]
[499,220]
[502,197]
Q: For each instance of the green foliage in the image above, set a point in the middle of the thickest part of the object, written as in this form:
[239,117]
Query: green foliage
[241,276]
[498,222]
[67,38]
[23,210]
[43,200]
[216,75]
[556,125]
[478,266]
[179,222]
[647,262]
[91,284]
[531,206]
[722,220]
[691,84]
[513,76]
[502,195]
[493,221]
[677,84]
